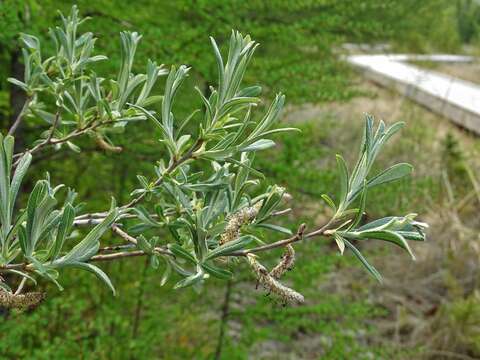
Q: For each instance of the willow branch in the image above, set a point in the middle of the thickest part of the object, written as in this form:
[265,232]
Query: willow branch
[124,235]
[115,248]
[20,116]
[118,255]
[52,141]
[187,156]
[323,231]
[102,257]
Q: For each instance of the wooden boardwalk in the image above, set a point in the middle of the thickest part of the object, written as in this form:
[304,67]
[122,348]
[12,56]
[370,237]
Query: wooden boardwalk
[456,99]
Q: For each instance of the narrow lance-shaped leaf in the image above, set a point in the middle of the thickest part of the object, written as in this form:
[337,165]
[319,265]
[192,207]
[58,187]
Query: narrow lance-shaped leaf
[64,228]
[18,176]
[88,247]
[343,174]
[364,261]
[95,270]
[391,174]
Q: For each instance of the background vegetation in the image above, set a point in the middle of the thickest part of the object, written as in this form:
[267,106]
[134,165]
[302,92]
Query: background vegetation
[346,315]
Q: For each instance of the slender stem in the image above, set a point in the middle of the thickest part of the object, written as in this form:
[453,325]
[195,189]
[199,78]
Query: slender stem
[115,248]
[54,126]
[101,257]
[20,286]
[51,141]
[281,243]
[281,212]
[126,254]
[116,256]
[223,320]
[323,231]
[139,305]
[188,155]
[123,234]
[297,237]
[19,118]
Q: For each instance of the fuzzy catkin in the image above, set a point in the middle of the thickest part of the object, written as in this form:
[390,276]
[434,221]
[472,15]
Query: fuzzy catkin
[285,264]
[237,220]
[20,301]
[270,284]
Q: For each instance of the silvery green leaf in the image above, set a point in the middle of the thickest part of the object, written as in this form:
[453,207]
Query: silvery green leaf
[343,174]
[329,202]
[251,91]
[30,41]
[144,245]
[88,247]
[273,227]
[190,280]
[143,181]
[412,235]
[218,58]
[145,217]
[258,145]
[16,225]
[218,155]
[73,147]
[270,117]
[34,218]
[179,251]
[390,236]
[229,247]
[5,171]
[340,242]
[18,176]
[391,174]
[364,261]
[44,115]
[66,224]
[18,83]
[280,130]
[166,274]
[95,270]
[23,240]
[217,272]
[376,224]
[23,274]
[361,209]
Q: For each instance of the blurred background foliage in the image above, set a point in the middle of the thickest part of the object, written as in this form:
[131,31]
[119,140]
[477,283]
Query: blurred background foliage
[300,55]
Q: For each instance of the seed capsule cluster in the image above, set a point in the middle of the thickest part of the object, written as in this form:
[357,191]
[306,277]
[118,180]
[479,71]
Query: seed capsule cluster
[285,264]
[272,285]
[237,220]
[20,301]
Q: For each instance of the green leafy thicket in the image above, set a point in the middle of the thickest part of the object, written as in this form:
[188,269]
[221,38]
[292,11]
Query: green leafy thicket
[101,326]
[206,199]
[176,32]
